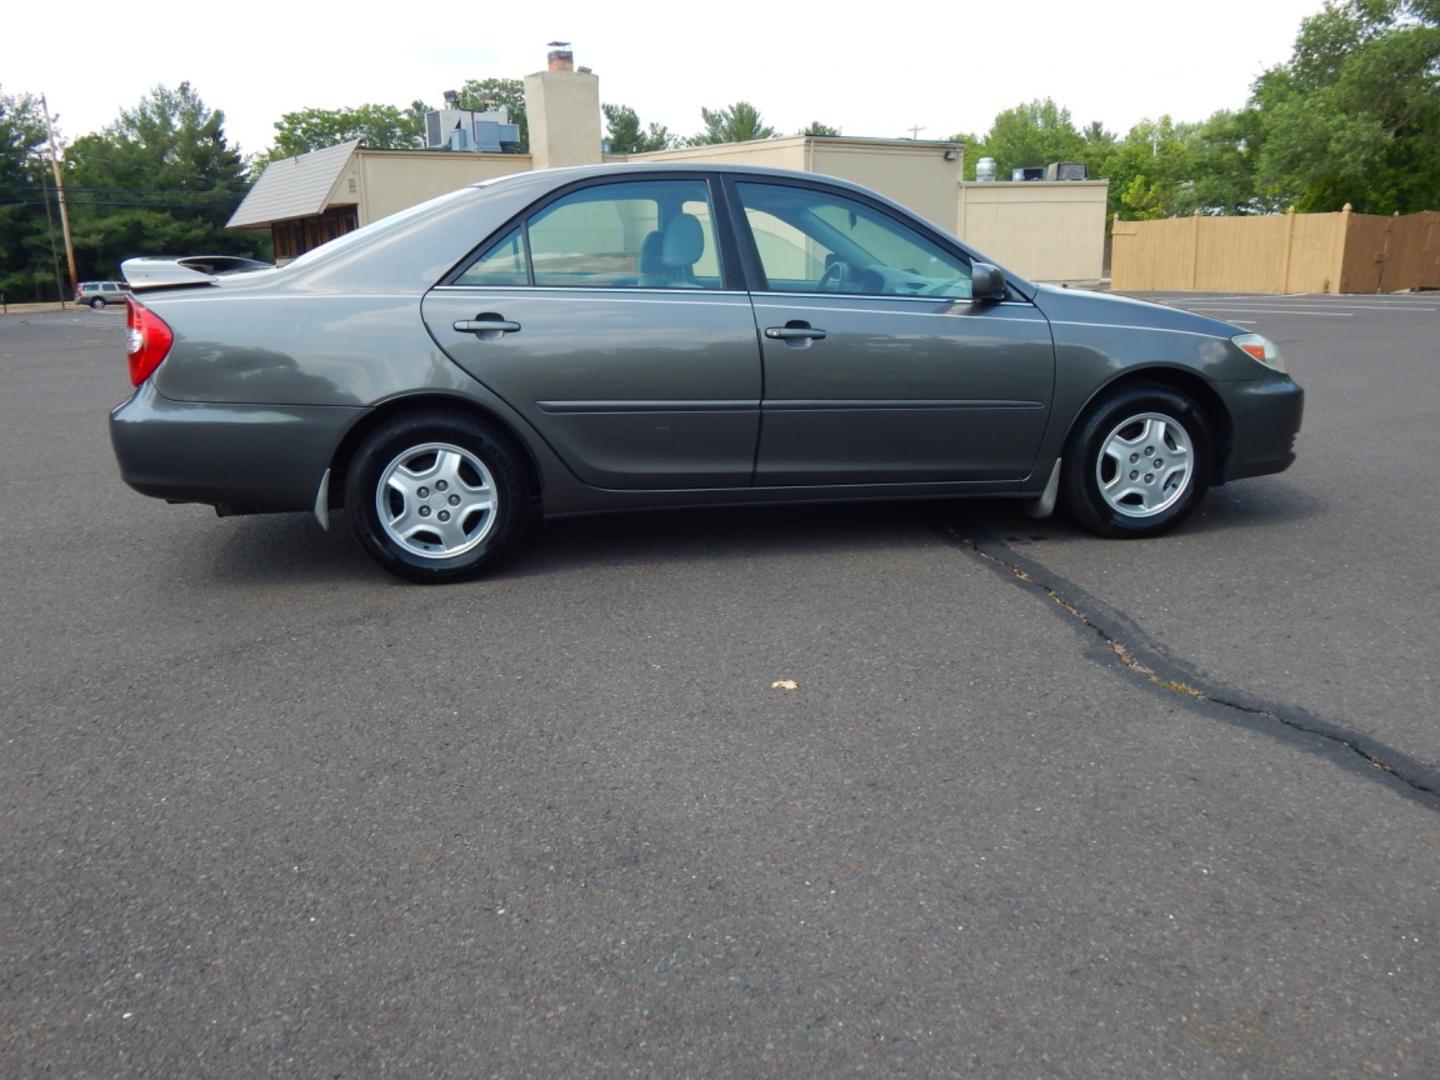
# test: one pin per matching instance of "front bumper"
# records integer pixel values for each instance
(248, 457)
(1265, 415)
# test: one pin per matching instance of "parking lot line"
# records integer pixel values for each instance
(1313, 305)
(1407, 301)
(1276, 311)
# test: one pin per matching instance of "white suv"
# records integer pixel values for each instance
(99, 293)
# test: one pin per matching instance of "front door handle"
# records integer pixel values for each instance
(487, 325)
(796, 331)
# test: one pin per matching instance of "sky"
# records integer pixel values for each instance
(878, 69)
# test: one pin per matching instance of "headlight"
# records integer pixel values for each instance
(1262, 349)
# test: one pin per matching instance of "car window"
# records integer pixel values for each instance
(110, 287)
(657, 234)
(819, 241)
(503, 264)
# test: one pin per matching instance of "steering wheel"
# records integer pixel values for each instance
(839, 271)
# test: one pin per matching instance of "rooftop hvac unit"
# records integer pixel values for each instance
(1028, 172)
(466, 130)
(1066, 170)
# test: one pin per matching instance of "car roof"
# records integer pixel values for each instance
(566, 174)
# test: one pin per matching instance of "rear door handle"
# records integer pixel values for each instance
(794, 331)
(488, 324)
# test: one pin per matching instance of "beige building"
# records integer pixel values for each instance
(1045, 231)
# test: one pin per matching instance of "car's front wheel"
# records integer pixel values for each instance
(436, 496)
(1138, 464)
(97, 302)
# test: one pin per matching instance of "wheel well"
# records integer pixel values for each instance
(1193, 386)
(340, 460)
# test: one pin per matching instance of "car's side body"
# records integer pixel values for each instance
(645, 397)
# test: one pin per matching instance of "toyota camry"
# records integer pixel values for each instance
(627, 336)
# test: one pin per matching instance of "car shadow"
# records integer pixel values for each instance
(286, 549)
(1247, 505)
(282, 549)
(668, 536)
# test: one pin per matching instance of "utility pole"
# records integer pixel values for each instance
(60, 195)
(915, 130)
(50, 235)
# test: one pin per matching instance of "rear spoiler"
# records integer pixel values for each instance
(143, 274)
(169, 272)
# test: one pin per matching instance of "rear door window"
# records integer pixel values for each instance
(502, 264)
(651, 234)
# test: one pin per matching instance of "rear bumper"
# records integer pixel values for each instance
(248, 457)
(1266, 416)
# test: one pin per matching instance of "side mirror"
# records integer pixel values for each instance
(987, 282)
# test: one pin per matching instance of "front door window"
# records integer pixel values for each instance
(820, 241)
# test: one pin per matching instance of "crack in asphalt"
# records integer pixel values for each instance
(1367, 756)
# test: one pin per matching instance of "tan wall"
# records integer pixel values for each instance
(765, 153)
(563, 111)
(1051, 231)
(391, 180)
(916, 175)
(1278, 253)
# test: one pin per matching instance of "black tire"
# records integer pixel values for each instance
(97, 302)
(408, 433)
(1082, 474)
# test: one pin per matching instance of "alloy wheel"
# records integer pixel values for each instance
(436, 500)
(1145, 465)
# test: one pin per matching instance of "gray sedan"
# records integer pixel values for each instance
(616, 337)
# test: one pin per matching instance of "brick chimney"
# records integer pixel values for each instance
(561, 60)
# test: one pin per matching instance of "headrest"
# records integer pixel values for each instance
(650, 254)
(683, 241)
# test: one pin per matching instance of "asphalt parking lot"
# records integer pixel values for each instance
(1039, 804)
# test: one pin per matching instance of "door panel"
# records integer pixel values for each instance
(879, 365)
(632, 388)
(901, 390)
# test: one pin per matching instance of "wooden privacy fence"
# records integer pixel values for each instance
(1280, 253)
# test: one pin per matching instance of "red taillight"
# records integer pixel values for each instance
(150, 340)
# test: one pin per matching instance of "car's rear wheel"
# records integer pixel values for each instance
(1138, 464)
(436, 496)
(97, 302)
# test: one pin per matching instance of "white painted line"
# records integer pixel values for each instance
(1315, 305)
(1339, 299)
(1280, 311)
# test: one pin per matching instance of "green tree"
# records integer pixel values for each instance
(1224, 151)
(161, 180)
(1099, 147)
(1354, 115)
(509, 94)
(1150, 169)
(383, 127)
(625, 135)
(739, 122)
(816, 128)
(26, 261)
(1035, 133)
